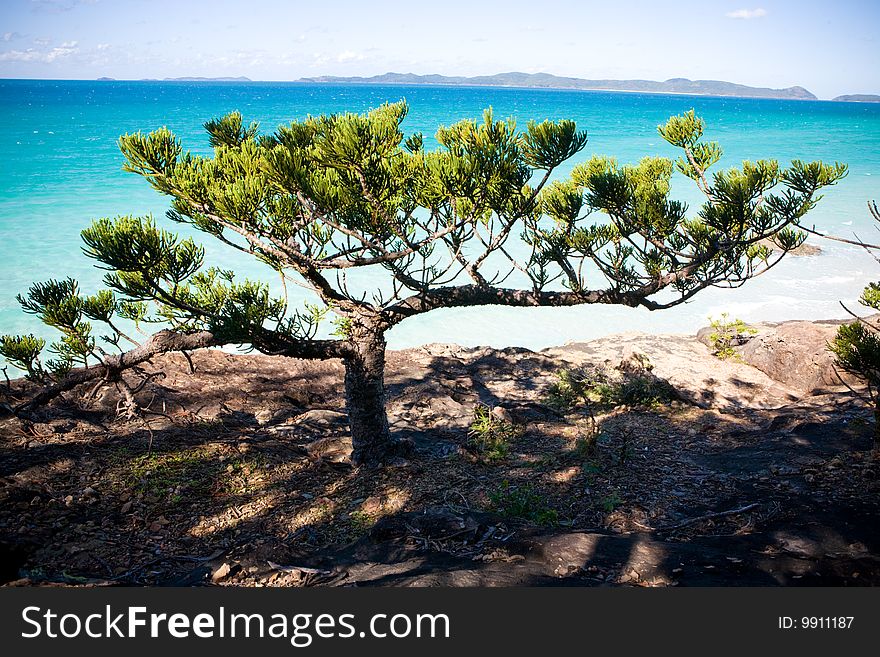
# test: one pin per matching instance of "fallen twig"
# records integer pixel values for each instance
(298, 569)
(180, 557)
(709, 516)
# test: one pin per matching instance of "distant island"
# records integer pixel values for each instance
(858, 98)
(240, 78)
(548, 81)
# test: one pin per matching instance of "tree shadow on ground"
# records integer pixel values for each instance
(230, 488)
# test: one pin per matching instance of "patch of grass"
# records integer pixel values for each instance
(611, 502)
(585, 446)
(490, 436)
(360, 522)
(522, 502)
(242, 475)
(598, 387)
(187, 474)
(727, 334)
(169, 473)
(204, 424)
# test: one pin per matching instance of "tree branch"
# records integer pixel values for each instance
(167, 341)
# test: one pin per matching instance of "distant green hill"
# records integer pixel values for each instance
(197, 79)
(186, 79)
(859, 98)
(548, 81)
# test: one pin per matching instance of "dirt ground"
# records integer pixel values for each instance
(238, 476)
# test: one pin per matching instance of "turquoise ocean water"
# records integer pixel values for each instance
(61, 168)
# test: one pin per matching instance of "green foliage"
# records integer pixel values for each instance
(871, 296)
(101, 306)
(575, 386)
(229, 130)
(172, 475)
(856, 348)
(490, 436)
(142, 256)
(610, 502)
(57, 304)
(548, 144)
(586, 444)
(643, 390)
(23, 352)
(360, 522)
(605, 389)
(522, 502)
(153, 156)
(727, 334)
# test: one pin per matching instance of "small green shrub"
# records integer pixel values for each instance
(360, 522)
(585, 446)
(605, 389)
(644, 390)
(611, 502)
(490, 436)
(578, 385)
(727, 334)
(522, 502)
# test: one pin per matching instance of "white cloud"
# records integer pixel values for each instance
(42, 41)
(349, 56)
(746, 14)
(66, 49)
(9, 36)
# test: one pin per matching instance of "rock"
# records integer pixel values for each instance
(431, 523)
(319, 419)
(126, 507)
(264, 416)
(90, 493)
(697, 376)
(158, 524)
(62, 426)
(634, 362)
(795, 354)
(804, 249)
(373, 505)
(211, 412)
(705, 333)
(335, 449)
(503, 414)
(446, 412)
(221, 573)
(286, 414)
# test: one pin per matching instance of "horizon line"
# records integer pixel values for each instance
(350, 80)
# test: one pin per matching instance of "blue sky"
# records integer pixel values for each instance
(828, 47)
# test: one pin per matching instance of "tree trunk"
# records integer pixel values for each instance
(875, 452)
(371, 438)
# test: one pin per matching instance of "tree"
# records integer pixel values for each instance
(322, 200)
(856, 346)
